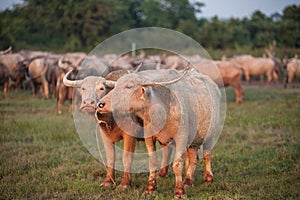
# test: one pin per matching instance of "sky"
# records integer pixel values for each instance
(224, 9)
(242, 8)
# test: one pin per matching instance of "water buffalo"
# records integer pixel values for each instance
(4, 78)
(177, 62)
(228, 74)
(253, 66)
(92, 89)
(293, 69)
(67, 62)
(183, 111)
(114, 60)
(11, 61)
(173, 62)
(224, 73)
(42, 70)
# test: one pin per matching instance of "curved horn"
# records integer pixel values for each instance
(6, 51)
(138, 67)
(70, 83)
(110, 84)
(168, 82)
(61, 64)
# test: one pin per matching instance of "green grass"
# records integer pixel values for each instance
(257, 156)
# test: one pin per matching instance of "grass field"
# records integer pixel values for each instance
(257, 156)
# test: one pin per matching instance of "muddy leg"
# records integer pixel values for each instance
(208, 175)
(151, 187)
(110, 156)
(190, 171)
(129, 146)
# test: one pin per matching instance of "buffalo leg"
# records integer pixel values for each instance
(166, 155)
(129, 146)
(151, 187)
(45, 87)
(207, 146)
(269, 78)
(62, 95)
(110, 156)
(181, 143)
(247, 77)
(5, 89)
(275, 77)
(177, 168)
(208, 175)
(239, 94)
(290, 77)
(191, 153)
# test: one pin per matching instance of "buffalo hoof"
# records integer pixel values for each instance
(151, 188)
(124, 184)
(106, 183)
(208, 178)
(179, 193)
(239, 101)
(123, 187)
(162, 173)
(187, 182)
(149, 192)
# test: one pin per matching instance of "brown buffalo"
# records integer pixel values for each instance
(67, 62)
(224, 73)
(183, 111)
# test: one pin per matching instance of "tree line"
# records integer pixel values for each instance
(79, 25)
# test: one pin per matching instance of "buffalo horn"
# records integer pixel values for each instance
(168, 82)
(61, 64)
(138, 67)
(110, 84)
(69, 83)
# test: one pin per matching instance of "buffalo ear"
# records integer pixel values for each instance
(144, 93)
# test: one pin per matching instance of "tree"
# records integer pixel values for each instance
(289, 31)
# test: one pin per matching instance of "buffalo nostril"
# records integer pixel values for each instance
(100, 105)
(92, 102)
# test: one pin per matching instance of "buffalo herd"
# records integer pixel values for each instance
(141, 97)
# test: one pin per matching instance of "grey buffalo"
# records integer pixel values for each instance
(184, 110)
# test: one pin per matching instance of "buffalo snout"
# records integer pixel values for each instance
(104, 104)
(102, 107)
(89, 102)
(88, 105)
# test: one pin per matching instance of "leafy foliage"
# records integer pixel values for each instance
(77, 25)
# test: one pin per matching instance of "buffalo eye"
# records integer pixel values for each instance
(83, 89)
(101, 88)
